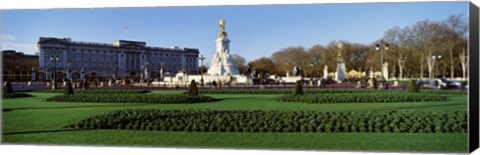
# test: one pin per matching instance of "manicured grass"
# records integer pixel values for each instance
(404, 142)
(32, 120)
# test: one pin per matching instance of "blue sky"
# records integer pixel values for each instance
(254, 31)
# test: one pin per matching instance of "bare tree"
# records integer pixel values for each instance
(455, 30)
(463, 60)
(263, 66)
(286, 59)
(316, 55)
(399, 39)
(240, 63)
(423, 39)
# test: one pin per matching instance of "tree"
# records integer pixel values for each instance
(68, 90)
(192, 89)
(288, 58)
(263, 66)
(315, 53)
(240, 63)
(424, 37)
(455, 30)
(463, 60)
(298, 88)
(399, 41)
(412, 86)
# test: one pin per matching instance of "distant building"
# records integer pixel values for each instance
(122, 59)
(18, 66)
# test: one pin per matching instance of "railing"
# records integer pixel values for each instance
(27, 86)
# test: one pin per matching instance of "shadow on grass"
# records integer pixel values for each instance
(43, 131)
(427, 106)
(69, 107)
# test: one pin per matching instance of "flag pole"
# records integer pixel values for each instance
(126, 31)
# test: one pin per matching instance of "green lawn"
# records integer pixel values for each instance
(34, 121)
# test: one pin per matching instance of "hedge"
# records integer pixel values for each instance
(445, 92)
(15, 95)
(99, 91)
(412, 86)
(298, 90)
(363, 98)
(131, 98)
(278, 121)
(289, 91)
(326, 91)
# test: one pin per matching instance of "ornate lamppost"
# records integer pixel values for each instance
(54, 58)
(311, 74)
(201, 58)
(435, 57)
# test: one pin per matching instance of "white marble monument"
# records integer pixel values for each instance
(325, 72)
(222, 62)
(222, 70)
(341, 71)
(385, 71)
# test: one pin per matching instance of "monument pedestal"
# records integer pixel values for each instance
(341, 71)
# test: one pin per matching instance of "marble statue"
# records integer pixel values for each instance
(115, 70)
(385, 71)
(82, 74)
(162, 65)
(47, 74)
(341, 70)
(145, 70)
(33, 74)
(325, 72)
(296, 71)
(68, 71)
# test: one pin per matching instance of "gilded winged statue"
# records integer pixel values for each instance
(221, 24)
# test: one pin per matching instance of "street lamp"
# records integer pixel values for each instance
(201, 58)
(435, 57)
(381, 49)
(311, 74)
(54, 58)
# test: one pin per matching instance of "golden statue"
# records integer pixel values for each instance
(221, 23)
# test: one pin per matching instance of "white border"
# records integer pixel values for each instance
(48, 4)
(82, 150)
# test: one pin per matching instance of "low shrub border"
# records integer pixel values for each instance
(445, 92)
(286, 91)
(278, 121)
(132, 98)
(363, 98)
(99, 91)
(15, 95)
(327, 91)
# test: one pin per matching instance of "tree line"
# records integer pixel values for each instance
(413, 52)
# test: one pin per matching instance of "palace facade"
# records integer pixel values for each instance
(75, 60)
(18, 66)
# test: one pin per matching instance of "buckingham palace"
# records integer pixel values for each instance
(76, 60)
